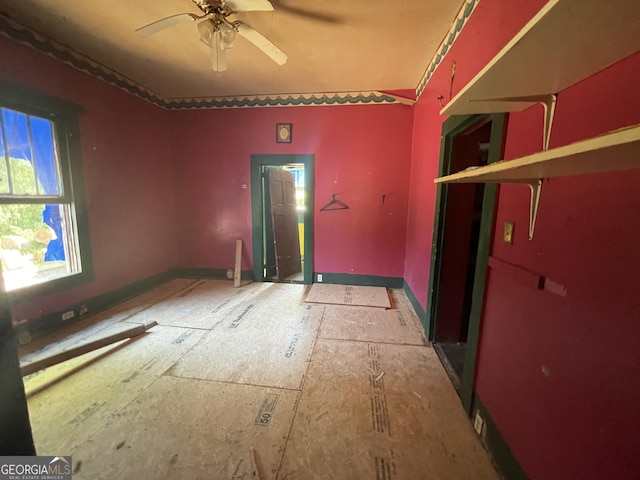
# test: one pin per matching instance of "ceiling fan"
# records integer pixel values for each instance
(217, 32)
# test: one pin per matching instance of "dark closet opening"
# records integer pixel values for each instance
(462, 220)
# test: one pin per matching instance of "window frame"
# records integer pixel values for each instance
(65, 117)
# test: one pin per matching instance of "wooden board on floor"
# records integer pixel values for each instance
(125, 332)
(66, 414)
(371, 325)
(186, 428)
(79, 331)
(128, 308)
(203, 306)
(348, 295)
(381, 411)
(237, 272)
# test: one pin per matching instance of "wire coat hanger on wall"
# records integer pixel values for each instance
(335, 204)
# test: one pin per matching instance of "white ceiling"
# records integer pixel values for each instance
(333, 45)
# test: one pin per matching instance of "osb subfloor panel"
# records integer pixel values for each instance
(380, 411)
(266, 341)
(190, 429)
(254, 383)
(66, 415)
(348, 295)
(371, 325)
(203, 305)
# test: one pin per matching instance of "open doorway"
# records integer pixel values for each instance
(462, 238)
(459, 250)
(282, 213)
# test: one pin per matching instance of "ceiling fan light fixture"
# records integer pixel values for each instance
(218, 33)
(228, 34)
(218, 54)
(209, 28)
(205, 29)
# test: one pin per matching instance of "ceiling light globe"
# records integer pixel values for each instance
(228, 34)
(205, 29)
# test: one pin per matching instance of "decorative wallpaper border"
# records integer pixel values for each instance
(457, 26)
(25, 36)
(310, 99)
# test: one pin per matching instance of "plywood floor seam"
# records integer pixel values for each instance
(169, 374)
(233, 382)
(284, 450)
(369, 341)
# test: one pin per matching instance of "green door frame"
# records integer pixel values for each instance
(257, 206)
(450, 128)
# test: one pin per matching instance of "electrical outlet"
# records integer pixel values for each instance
(68, 315)
(24, 338)
(478, 424)
(319, 278)
(83, 310)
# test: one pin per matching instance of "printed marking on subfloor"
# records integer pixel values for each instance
(265, 414)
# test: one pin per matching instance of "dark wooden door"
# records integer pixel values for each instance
(282, 193)
(269, 241)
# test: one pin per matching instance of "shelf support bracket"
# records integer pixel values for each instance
(536, 189)
(549, 104)
(535, 185)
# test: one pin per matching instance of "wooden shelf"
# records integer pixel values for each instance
(614, 151)
(567, 41)
(617, 150)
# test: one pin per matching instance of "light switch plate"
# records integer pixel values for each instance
(509, 228)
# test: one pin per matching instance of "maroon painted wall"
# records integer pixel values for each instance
(565, 363)
(127, 175)
(557, 374)
(492, 24)
(361, 152)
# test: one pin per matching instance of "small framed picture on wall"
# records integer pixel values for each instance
(284, 132)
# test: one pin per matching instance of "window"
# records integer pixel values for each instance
(43, 241)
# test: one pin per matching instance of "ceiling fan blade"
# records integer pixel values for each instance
(260, 41)
(250, 5)
(167, 22)
(311, 15)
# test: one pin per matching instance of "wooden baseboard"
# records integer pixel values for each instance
(359, 280)
(496, 445)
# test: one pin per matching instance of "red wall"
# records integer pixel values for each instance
(492, 24)
(127, 175)
(565, 363)
(361, 152)
(557, 374)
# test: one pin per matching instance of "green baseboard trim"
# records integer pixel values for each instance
(53, 321)
(417, 308)
(209, 273)
(359, 280)
(496, 445)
